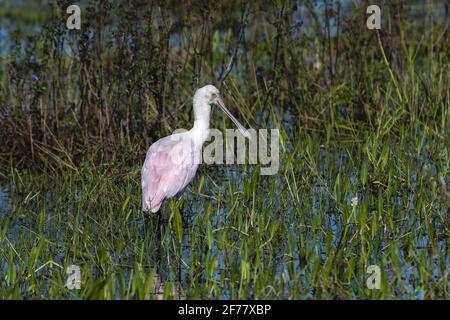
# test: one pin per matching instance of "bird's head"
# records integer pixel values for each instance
(210, 95)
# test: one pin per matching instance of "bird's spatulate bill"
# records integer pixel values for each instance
(236, 122)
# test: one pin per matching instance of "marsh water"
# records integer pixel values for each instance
(347, 195)
(177, 275)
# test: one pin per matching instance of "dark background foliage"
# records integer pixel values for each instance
(127, 77)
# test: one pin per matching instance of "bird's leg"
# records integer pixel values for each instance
(144, 224)
(159, 249)
(180, 205)
(165, 215)
(176, 205)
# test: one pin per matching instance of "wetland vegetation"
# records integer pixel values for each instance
(363, 180)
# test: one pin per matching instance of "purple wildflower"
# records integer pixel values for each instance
(298, 23)
(259, 72)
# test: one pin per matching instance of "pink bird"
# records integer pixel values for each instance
(171, 162)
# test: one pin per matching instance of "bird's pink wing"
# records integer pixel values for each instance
(167, 169)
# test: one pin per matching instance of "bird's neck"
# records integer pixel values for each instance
(202, 112)
(200, 131)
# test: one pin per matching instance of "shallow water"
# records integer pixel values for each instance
(319, 201)
(68, 218)
(5, 201)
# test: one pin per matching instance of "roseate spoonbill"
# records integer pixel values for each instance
(172, 161)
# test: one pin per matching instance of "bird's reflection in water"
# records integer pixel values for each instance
(176, 291)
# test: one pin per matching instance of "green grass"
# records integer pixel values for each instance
(238, 234)
(376, 130)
